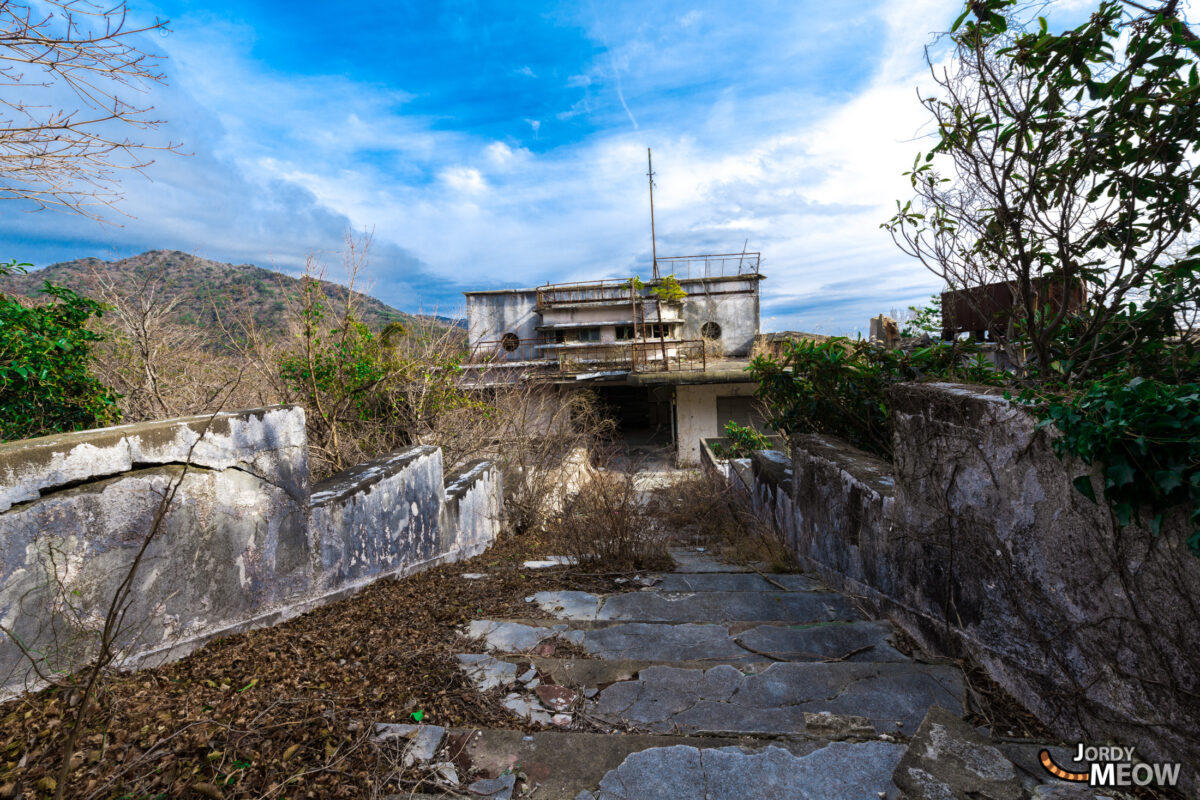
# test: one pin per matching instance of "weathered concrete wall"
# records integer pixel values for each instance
(473, 511)
(241, 544)
(976, 542)
(732, 303)
(490, 315)
(378, 518)
(696, 415)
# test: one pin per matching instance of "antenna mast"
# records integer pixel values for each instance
(653, 241)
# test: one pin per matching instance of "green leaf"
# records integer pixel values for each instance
(418, 715)
(1083, 484)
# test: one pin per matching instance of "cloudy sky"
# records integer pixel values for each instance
(493, 145)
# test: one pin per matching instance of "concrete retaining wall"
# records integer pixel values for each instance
(241, 543)
(976, 543)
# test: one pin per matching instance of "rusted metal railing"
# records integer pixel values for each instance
(641, 355)
(720, 265)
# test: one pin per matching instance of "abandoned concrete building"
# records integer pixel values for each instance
(667, 359)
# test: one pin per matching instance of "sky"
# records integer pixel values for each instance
(495, 145)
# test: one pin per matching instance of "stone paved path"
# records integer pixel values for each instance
(709, 683)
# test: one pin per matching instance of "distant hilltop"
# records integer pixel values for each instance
(207, 289)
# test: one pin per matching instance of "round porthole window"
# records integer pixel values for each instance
(710, 330)
(509, 342)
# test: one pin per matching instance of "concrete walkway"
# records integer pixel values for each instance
(715, 683)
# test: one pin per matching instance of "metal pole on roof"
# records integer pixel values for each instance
(653, 241)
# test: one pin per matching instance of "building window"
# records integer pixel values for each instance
(624, 333)
(710, 330)
(588, 334)
(510, 342)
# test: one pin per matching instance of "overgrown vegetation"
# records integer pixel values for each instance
(840, 387)
(607, 524)
(46, 384)
(741, 441)
(666, 289)
(1145, 434)
(1065, 166)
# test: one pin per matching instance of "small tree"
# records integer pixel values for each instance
(45, 354)
(70, 158)
(1067, 163)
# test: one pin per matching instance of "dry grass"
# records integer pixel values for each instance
(608, 525)
(703, 508)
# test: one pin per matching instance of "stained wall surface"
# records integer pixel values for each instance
(977, 543)
(218, 515)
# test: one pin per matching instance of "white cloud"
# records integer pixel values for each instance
(464, 180)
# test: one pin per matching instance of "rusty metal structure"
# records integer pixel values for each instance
(987, 312)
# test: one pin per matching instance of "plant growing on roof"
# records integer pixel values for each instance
(668, 290)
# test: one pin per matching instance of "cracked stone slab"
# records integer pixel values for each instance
(421, 740)
(804, 643)
(487, 672)
(727, 607)
(714, 643)
(568, 605)
(948, 758)
(688, 559)
(496, 788)
(775, 700)
(513, 637)
(565, 762)
(682, 772)
(734, 582)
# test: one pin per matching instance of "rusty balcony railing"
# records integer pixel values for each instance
(641, 355)
(585, 292)
(721, 265)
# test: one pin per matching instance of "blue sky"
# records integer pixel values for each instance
(503, 144)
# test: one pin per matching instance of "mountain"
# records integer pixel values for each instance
(208, 289)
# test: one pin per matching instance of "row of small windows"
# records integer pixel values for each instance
(624, 333)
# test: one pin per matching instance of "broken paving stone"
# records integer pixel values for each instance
(590, 692)
(513, 637)
(496, 788)
(472, 576)
(423, 740)
(556, 698)
(487, 672)
(561, 720)
(569, 604)
(550, 561)
(524, 707)
(948, 758)
(681, 772)
(527, 676)
(837, 726)
(447, 772)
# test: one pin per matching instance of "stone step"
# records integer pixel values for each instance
(695, 559)
(566, 764)
(707, 606)
(687, 772)
(893, 696)
(863, 641)
(734, 582)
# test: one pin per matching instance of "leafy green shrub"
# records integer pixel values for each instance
(668, 290)
(839, 386)
(1146, 436)
(45, 383)
(743, 440)
(927, 319)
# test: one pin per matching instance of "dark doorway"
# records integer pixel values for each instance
(643, 415)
